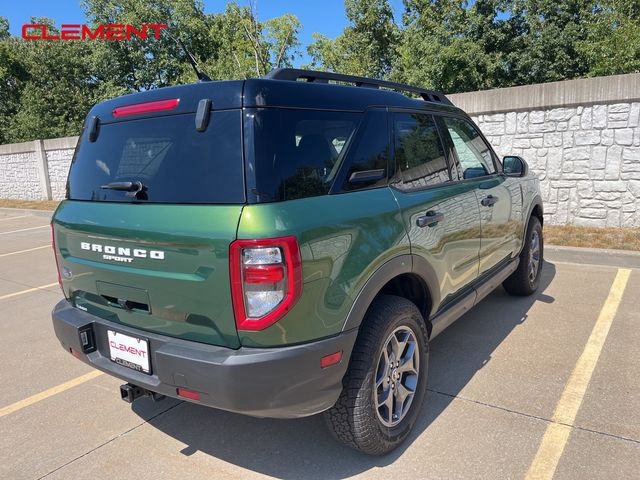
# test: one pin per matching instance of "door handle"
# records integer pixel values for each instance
(429, 219)
(489, 201)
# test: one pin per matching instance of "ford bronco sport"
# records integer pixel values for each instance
(288, 245)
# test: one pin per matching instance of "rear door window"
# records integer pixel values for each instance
(174, 162)
(419, 154)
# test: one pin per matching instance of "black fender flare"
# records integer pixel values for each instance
(536, 202)
(406, 263)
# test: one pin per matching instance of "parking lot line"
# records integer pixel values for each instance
(19, 405)
(29, 290)
(13, 218)
(24, 229)
(24, 251)
(555, 438)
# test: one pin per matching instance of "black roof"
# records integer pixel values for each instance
(268, 92)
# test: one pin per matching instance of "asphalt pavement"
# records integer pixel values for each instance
(538, 387)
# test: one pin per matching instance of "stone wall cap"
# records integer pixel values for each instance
(542, 96)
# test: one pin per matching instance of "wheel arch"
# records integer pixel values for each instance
(535, 209)
(407, 276)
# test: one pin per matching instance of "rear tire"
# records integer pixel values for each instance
(525, 280)
(379, 404)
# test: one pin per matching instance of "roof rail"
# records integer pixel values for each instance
(293, 74)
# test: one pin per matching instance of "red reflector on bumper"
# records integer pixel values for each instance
(74, 353)
(190, 394)
(332, 359)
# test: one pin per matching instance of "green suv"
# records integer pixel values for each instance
(286, 246)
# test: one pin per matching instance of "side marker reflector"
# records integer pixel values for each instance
(332, 359)
(190, 394)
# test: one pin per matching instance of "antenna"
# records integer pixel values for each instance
(203, 77)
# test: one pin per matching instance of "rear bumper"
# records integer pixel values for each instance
(282, 382)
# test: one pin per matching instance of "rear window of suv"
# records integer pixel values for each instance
(174, 162)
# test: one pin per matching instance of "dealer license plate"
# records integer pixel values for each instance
(129, 351)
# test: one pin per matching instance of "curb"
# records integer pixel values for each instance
(593, 256)
(598, 251)
(28, 211)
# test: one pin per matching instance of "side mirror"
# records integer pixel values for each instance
(514, 166)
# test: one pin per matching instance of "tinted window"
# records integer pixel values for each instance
(174, 162)
(368, 154)
(295, 153)
(472, 151)
(419, 155)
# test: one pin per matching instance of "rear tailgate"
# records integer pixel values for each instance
(170, 263)
(155, 257)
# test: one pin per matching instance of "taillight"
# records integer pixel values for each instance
(266, 280)
(55, 255)
(146, 107)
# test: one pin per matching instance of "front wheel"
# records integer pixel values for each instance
(386, 382)
(526, 278)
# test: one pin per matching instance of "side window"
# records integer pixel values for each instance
(419, 155)
(294, 153)
(367, 158)
(473, 152)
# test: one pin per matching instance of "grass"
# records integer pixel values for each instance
(592, 237)
(561, 235)
(30, 204)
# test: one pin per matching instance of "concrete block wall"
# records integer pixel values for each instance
(58, 162)
(36, 170)
(19, 176)
(581, 137)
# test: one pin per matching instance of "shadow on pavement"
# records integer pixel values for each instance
(304, 448)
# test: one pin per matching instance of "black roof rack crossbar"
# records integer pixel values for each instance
(294, 74)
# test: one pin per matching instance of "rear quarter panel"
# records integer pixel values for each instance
(343, 239)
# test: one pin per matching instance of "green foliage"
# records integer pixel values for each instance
(248, 47)
(550, 31)
(52, 88)
(612, 43)
(13, 76)
(453, 46)
(450, 47)
(367, 45)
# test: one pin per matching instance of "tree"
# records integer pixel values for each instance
(54, 85)
(367, 45)
(12, 79)
(550, 32)
(137, 64)
(612, 43)
(452, 47)
(249, 47)
(232, 44)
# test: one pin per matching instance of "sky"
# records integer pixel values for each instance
(323, 16)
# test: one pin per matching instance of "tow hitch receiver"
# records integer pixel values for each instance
(129, 392)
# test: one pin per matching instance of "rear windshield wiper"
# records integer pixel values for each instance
(133, 189)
